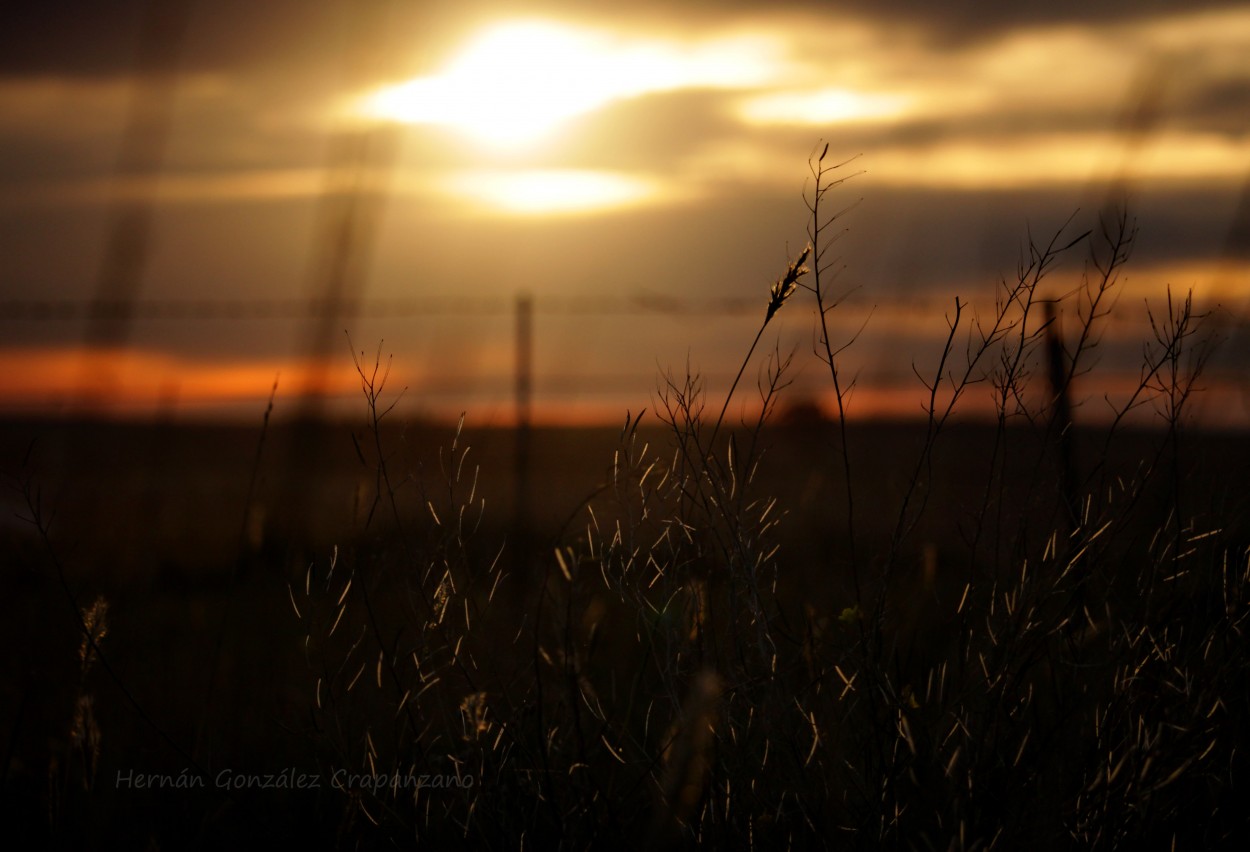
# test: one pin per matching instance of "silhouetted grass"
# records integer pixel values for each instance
(1059, 663)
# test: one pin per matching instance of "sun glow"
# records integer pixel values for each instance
(549, 191)
(821, 107)
(516, 83)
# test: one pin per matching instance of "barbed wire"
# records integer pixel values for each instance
(642, 304)
(51, 310)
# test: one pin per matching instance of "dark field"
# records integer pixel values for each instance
(562, 689)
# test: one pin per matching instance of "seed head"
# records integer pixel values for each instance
(787, 284)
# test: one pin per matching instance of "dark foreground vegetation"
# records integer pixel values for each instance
(1015, 633)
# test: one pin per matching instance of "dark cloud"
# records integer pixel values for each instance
(70, 37)
(943, 240)
(1237, 240)
(105, 37)
(114, 37)
(654, 132)
(92, 37)
(960, 21)
(1218, 106)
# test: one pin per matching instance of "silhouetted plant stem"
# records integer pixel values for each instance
(778, 295)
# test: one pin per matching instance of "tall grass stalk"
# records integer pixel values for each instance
(1064, 673)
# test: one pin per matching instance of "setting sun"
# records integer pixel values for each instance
(516, 83)
(549, 191)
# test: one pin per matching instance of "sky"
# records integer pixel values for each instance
(198, 198)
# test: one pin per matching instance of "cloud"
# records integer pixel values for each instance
(977, 125)
(101, 37)
(110, 38)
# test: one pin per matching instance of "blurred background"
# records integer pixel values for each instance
(536, 207)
